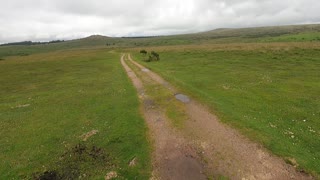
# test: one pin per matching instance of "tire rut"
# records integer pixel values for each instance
(173, 156)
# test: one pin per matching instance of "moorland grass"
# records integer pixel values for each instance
(51, 94)
(49, 100)
(269, 94)
(300, 37)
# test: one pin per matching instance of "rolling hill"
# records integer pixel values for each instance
(291, 33)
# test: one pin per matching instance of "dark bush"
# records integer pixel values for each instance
(155, 55)
(143, 52)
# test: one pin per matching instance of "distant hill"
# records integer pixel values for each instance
(95, 37)
(263, 31)
(29, 43)
(293, 33)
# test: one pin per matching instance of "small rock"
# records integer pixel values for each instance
(272, 125)
(89, 134)
(133, 162)
(21, 106)
(111, 175)
(293, 162)
(225, 87)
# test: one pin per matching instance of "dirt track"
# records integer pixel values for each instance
(205, 145)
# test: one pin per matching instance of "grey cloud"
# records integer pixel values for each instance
(67, 19)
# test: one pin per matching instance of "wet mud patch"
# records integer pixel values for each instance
(183, 98)
(77, 163)
(145, 70)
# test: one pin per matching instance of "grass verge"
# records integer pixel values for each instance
(49, 103)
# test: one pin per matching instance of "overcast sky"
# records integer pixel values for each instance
(40, 20)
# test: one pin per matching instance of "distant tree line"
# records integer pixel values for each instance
(29, 43)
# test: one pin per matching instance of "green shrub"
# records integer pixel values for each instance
(143, 52)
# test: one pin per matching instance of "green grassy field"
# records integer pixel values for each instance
(270, 93)
(48, 101)
(264, 81)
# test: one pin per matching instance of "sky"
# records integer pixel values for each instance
(44, 20)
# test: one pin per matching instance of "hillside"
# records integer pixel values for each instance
(294, 33)
(259, 32)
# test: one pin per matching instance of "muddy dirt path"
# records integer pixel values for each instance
(226, 152)
(173, 157)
